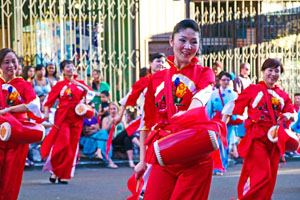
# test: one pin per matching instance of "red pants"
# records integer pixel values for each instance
(258, 177)
(64, 151)
(180, 182)
(12, 162)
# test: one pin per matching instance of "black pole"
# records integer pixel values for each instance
(187, 9)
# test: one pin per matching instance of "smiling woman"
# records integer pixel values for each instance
(18, 99)
(61, 144)
(174, 91)
(267, 105)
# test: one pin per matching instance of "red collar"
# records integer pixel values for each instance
(170, 60)
(265, 85)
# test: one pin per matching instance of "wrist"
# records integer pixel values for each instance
(6, 110)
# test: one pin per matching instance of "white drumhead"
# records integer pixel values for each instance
(5, 133)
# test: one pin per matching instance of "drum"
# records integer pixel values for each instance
(30, 133)
(292, 143)
(185, 146)
(85, 110)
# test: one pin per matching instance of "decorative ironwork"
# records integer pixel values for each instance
(95, 34)
(237, 31)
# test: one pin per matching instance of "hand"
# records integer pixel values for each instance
(283, 117)
(117, 119)
(2, 112)
(178, 114)
(139, 170)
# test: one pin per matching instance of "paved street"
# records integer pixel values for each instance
(109, 184)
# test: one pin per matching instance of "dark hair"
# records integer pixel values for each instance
(4, 52)
(54, 74)
(39, 67)
(154, 56)
(184, 24)
(105, 92)
(296, 94)
(25, 72)
(225, 74)
(272, 63)
(131, 111)
(144, 72)
(64, 63)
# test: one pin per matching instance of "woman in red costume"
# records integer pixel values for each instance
(192, 86)
(267, 105)
(61, 145)
(18, 99)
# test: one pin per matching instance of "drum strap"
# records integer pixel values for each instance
(169, 94)
(281, 132)
(269, 104)
(221, 97)
(2, 100)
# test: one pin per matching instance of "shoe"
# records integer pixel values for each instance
(131, 164)
(141, 197)
(218, 173)
(112, 166)
(52, 180)
(62, 181)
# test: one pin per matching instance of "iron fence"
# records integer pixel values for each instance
(95, 34)
(239, 31)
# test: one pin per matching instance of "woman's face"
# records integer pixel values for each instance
(224, 81)
(19, 70)
(185, 46)
(30, 72)
(69, 69)
(95, 76)
(157, 64)
(271, 75)
(41, 73)
(50, 69)
(113, 110)
(9, 65)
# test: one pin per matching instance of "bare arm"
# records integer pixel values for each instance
(46, 113)
(106, 123)
(141, 167)
(14, 109)
(118, 119)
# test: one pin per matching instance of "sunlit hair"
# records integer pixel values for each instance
(272, 63)
(184, 24)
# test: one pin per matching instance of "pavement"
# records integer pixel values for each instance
(93, 181)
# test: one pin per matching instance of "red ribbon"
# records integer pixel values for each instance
(109, 140)
(132, 187)
(133, 127)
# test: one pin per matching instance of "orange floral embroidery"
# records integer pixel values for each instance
(68, 91)
(13, 96)
(180, 90)
(275, 101)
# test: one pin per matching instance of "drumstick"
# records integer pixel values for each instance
(54, 125)
(223, 150)
(137, 185)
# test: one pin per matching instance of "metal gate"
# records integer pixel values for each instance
(250, 31)
(95, 34)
